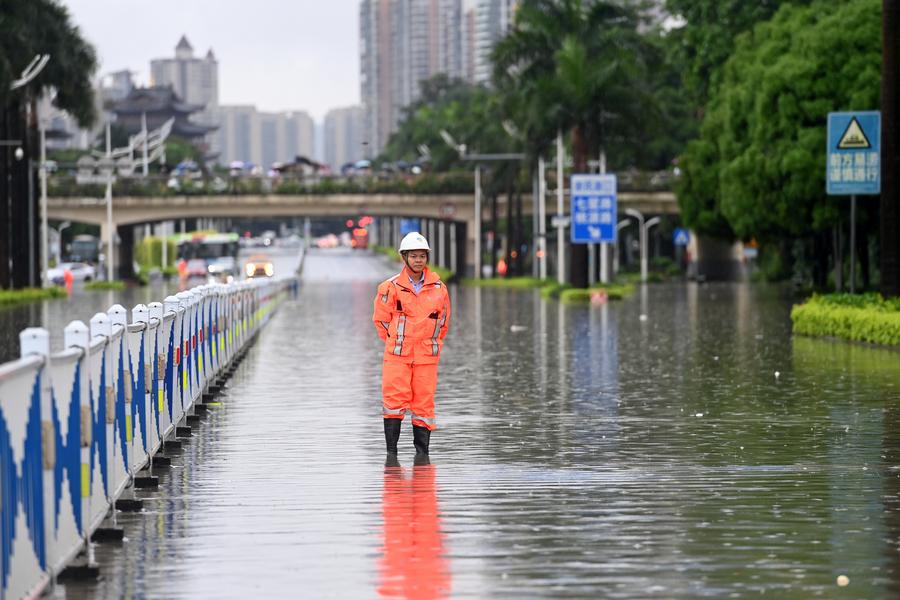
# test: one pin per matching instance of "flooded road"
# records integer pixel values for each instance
(698, 451)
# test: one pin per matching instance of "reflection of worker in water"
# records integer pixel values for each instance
(412, 564)
(412, 314)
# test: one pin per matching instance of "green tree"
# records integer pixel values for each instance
(32, 27)
(708, 35)
(469, 113)
(758, 168)
(575, 66)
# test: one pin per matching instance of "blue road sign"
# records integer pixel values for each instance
(854, 153)
(409, 225)
(593, 209)
(681, 236)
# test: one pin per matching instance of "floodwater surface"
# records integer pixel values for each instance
(678, 444)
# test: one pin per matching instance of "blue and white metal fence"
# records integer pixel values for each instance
(77, 425)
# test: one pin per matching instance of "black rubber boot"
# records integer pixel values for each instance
(421, 437)
(392, 434)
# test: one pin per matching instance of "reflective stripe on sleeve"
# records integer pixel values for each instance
(437, 331)
(401, 329)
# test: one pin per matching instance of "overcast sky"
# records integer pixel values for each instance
(276, 54)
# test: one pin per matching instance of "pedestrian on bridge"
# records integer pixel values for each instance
(412, 315)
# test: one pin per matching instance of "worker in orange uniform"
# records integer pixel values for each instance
(412, 314)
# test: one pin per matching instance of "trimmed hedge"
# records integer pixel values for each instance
(519, 283)
(861, 318)
(10, 297)
(614, 291)
(114, 285)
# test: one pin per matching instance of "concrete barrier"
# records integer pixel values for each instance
(77, 426)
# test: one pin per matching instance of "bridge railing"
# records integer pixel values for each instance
(65, 185)
(77, 425)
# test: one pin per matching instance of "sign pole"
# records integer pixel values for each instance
(853, 244)
(561, 228)
(853, 167)
(604, 246)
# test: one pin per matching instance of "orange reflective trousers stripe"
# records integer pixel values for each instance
(409, 388)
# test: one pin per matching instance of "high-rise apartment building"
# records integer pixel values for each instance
(238, 138)
(402, 43)
(493, 18)
(343, 134)
(263, 138)
(195, 81)
(284, 136)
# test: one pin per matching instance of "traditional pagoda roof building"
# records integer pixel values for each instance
(159, 104)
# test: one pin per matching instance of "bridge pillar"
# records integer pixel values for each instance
(711, 259)
(125, 259)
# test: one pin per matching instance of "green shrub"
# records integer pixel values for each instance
(553, 290)
(861, 318)
(509, 282)
(614, 291)
(10, 297)
(105, 285)
(148, 253)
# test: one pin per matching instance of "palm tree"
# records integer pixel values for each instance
(575, 66)
(32, 27)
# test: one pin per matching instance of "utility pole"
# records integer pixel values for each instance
(890, 150)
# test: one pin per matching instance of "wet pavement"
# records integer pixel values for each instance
(582, 451)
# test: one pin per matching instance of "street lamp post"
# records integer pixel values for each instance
(542, 220)
(477, 221)
(633, 212)
(45, 246)
(461, 149)
(645, 240)
(123, 160)
(106, 168)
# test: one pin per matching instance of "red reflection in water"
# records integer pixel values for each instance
(412, 564)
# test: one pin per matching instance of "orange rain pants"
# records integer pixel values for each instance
(412, 327)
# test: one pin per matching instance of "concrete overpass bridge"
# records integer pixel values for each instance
(448, 219)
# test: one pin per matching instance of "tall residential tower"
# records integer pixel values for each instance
(402, 43)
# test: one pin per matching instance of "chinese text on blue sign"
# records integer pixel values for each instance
(593, 209)
(854, 153)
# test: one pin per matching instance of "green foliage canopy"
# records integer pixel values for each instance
(707, 38)
(758, 168)
(469, 113)
(574, 65)
(31, 27)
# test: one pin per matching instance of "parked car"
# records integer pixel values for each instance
(80, 272)
(259, 265)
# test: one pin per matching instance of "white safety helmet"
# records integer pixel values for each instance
(414, 241)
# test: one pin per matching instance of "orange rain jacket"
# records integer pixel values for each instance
(412, 326)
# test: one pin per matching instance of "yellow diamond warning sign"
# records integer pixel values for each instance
(853, 137)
